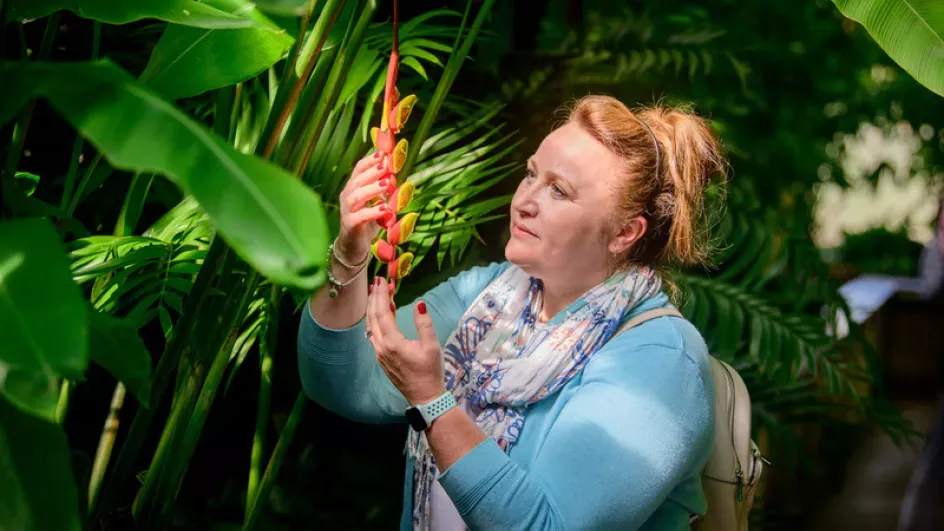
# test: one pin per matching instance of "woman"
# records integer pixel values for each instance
(556, 427)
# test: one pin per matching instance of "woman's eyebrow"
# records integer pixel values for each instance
(553, 175)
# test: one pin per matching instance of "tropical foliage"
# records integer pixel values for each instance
(188, 212)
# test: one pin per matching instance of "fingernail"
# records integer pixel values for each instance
(383, 208)
(380, 166)
(421, 306)
(370, 289)
(383, 183)
(376, 154)
(393, 307)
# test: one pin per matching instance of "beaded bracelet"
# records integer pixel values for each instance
(337, 285)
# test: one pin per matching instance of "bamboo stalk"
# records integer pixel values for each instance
(106, 443)
(275, 462)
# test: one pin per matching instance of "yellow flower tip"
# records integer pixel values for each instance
(404, 195)
(399, 155)
(407, 224)
(374, 132)
(403, 229)
(401, 113)
(404, 264)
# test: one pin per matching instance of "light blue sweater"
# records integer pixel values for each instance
(621, 446)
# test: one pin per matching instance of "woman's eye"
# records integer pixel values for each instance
(556, 190)
(529, 174)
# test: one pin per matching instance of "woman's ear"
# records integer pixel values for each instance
(628, 234)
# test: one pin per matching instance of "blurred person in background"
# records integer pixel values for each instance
(923, 505)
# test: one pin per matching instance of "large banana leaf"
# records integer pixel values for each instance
(273, 221)
(187, 12)
(39, 491)
(285, 7)
(188, 61)
(42, 316)
(910, 31)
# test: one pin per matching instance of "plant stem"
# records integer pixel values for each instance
(106, 443)
(261, 497)
(266, 350)
(79, 141)
(178, 415)
(62, 408)
(445, 83)
(178, 465)
(339, 71)
(319, 34)
(180, 337)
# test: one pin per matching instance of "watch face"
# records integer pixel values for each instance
(416, 420)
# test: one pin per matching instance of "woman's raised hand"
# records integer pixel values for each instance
(359, 214)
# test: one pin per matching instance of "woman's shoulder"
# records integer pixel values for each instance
(657, 344)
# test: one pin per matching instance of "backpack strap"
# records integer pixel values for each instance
(649, 315)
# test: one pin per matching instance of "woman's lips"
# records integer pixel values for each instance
(520, 231)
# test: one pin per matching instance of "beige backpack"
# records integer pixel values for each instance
(731, 475)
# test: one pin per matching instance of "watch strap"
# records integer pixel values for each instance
(430, 411)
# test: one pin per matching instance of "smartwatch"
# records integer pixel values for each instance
(422, 415)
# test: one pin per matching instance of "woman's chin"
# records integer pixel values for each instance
(523, 258)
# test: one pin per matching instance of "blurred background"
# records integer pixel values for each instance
(834, 197)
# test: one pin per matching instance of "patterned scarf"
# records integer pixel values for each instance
(497, 366)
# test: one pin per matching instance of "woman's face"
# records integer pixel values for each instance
(560, 210)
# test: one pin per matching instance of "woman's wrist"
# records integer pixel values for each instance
(347, 254)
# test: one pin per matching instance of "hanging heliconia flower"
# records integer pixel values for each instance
(393, 156)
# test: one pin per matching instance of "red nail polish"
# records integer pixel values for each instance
(376, 154)
(380, 166)
(370, 289)
(393, 307)
(383, 208)
(383, 183)
(421, 306)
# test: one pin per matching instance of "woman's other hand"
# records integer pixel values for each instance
(359, 216)
(415, 367)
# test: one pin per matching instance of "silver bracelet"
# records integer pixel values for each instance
(342, 262)
(337, 285)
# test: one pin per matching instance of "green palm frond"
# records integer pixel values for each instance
(142, 277)
(450, 179)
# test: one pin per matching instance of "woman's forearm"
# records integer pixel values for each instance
(349, 307)
(451, 436)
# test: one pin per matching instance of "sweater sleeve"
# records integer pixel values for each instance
(639, 423)
(339, 369)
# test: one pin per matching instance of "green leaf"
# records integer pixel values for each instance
(284, 7)
(188, 61)
(39, 490)
(267, 216)
(187, 12)
(116, 346)
(413, 63)
(910, 31)
(45, 334)
(27, 182)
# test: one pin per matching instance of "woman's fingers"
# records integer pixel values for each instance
(365, 163)
(372, 173)
(361, 195)
(377, 213)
